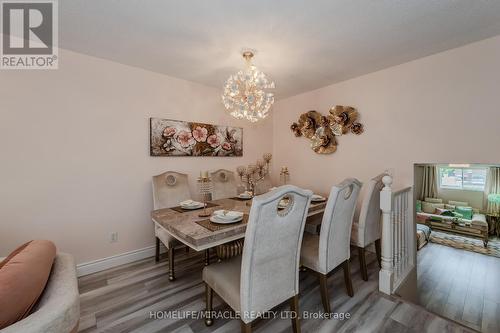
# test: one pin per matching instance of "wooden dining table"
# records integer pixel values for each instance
(199, 234)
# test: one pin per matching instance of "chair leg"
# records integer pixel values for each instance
(324, 293)
(209, 299)
(294, 307)
(171, 266)
(347, 278)
(207, 257)
(157, 252)
(362, 263)
(246, 327)
(378, 250)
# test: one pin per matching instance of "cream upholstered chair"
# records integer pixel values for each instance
(169, 188)
(267, 273)
(366, 228)
(224, 184)
(324, 252)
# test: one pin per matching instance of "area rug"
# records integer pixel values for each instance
(466, 243)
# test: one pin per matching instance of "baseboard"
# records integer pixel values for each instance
(116, 260)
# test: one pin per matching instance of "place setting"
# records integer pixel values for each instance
(189, 205)
(222, 218)
(247, 195)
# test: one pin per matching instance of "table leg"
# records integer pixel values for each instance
(207, 257)
(171, 272)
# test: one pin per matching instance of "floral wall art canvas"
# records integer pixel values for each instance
(182, 138)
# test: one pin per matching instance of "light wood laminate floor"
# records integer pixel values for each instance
(461, 285)
(120, 300)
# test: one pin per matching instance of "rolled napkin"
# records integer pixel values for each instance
(246, 194)
(228, 215)
(317, 197)
(190, 203)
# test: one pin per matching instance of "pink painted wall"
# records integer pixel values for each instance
(75, 162)
(443, 108)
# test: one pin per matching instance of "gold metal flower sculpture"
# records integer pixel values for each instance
(321, 130)
(309, 122)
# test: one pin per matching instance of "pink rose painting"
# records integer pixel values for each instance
(182, 138)
(213, 140)
(185, 138)
(200, 134)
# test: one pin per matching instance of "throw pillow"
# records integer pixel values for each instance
(428, 208)
(465, 211)
(23, 276)
(418, 206)
(434, 200)
(458, 203)
(443, 212)
(450, 207)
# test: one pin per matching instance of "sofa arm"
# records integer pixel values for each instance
(479, 220)
(58, 309)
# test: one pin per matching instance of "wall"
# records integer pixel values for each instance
(438, 109)
(75, 162)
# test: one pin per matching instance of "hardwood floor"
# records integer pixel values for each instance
(461, 285)
(121, 299)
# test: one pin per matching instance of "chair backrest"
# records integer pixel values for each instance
(271, 254)
(223, 184)
(335, 234)
(170, 188)
(370, 214)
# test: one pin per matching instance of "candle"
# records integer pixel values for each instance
(205, 174)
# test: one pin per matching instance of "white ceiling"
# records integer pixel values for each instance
(302, 45)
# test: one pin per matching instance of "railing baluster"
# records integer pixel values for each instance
(386, 272)
(398, 250)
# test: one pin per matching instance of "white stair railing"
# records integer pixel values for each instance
(398, 236)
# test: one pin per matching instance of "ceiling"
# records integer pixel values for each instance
(301, 45)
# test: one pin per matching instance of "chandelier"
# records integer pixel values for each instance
(244, 94)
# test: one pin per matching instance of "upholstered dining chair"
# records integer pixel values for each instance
(169, 188)
(267, 273)
(325, 252)
(224, 184)
(366, 228)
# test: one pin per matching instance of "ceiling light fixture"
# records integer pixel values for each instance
(245, 95)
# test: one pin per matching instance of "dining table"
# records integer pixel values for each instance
(200, 234)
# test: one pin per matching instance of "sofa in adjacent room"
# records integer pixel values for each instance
(455, 217)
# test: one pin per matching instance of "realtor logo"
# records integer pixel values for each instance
(29, 35)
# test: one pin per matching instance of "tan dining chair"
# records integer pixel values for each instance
(267, 273)
(169, 188)
(223, 184)
(366, 227)
(325, 252)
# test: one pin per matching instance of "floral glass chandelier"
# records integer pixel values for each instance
(245, 94)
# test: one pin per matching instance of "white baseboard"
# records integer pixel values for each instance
(116, 260)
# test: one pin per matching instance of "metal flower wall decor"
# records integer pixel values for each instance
(322, 130)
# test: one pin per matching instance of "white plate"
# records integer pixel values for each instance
(215, 219)
(317, 198)
(198, 205)
(244, 196)
(230, 215)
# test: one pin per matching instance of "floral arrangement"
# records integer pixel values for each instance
(181, 138)
(322, 130)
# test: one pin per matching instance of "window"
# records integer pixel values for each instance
(472, 179)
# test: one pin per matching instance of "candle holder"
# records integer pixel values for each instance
(205, 190)
(254, 173)
(284, 175)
